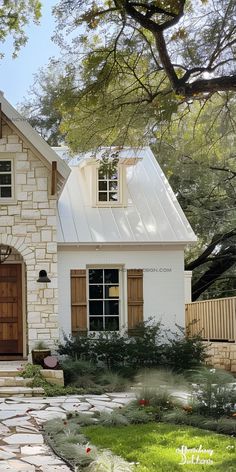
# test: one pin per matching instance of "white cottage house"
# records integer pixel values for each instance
(111, 243)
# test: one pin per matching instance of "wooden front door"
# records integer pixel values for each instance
(11, 333)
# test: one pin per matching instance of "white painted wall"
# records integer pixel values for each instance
(163, 280)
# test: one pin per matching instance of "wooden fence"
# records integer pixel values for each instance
(214, 320)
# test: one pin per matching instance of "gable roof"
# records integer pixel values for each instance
(25, 129)
(152, 215)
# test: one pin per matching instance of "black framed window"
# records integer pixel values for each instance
(5, 179)
(104, 299)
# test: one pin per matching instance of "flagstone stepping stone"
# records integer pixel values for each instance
(101, 408)
(21, 429)
(75, 406)
(20, 406)
(108, 404)
(121, 395)
(4, 429)
(16, 466)
(10, 449)
(34, 450)
(27, 425)
(4, 415)
(58, 398)
(48, 415)
(42, 460)
(75, 399)
(6, 455)
(54, 408)
(55, 468)
(35, 400)
(24, 439)
(17, 421)
(91, 398)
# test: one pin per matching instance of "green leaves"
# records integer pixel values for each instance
(14, 16)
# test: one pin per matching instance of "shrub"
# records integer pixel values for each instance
(161, 387)
(183, 352)
(113, 381)
(80, 419)
(149, 347)
(77, 453)
(74, 369)
(214, 391)
(77, 347)
(138, 415)
(145, 349)
(107, 462)
(223, 425)
(115, 418)
(111, 349)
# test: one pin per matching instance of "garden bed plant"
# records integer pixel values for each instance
(138, 438)
(81, 378)
(150, 346)
(157, 409)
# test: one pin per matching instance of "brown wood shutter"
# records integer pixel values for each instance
(78, 301)
(135, 298)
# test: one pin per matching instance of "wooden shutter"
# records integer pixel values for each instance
(135, 298)
(78, 301)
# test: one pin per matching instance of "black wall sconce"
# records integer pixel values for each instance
(43, 277)
(5, 252)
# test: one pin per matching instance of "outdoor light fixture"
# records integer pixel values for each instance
(43, 277)
(5, 252)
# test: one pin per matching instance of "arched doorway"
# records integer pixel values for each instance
(11, 306)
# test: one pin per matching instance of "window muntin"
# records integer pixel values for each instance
(6, 177)
(108, 185)
(104, 299)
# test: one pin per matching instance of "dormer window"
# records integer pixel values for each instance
(108, 184)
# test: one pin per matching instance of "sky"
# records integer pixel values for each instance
(16, 75)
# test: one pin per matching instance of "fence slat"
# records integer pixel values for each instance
(213, 320)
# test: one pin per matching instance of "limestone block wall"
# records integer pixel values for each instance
(28, 224)
(222, 355)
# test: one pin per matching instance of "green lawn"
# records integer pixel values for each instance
(154, 445)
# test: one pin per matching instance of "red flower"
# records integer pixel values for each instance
(143, 402)
(65, 423)
(88, 449)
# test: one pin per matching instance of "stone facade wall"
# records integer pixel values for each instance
(222, 355)
(29, 226)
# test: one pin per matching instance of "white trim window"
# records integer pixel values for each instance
(104, 299)
(108, 190)
(6, 179)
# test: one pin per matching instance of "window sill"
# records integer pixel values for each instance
(109, 205)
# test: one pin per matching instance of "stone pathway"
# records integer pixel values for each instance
(22, 446)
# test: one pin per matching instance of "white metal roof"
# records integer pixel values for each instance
(153, 214)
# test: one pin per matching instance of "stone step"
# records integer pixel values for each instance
(9, 372)
(6, 392)
(10, 381)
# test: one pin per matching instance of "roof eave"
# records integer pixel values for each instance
(22, 125)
